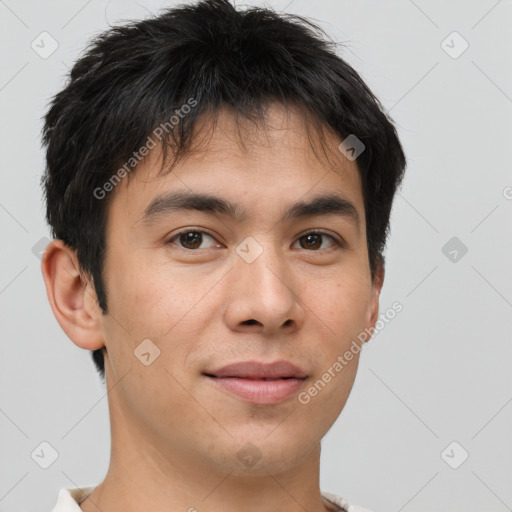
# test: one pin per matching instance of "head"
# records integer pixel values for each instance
(250, 107)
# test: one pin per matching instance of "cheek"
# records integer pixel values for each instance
(327, 394)
(342, 308)
(171, 311)
(342, 304)
(149, 299)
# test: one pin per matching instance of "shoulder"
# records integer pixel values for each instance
(68, 499)
(341, 504)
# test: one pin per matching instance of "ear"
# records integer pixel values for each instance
(72, 298)
(378, 281)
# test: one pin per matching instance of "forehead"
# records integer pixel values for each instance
(284, 155)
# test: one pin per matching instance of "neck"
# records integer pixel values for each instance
(138, 483)
(143, 475)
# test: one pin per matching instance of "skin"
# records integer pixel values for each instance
(175, 434)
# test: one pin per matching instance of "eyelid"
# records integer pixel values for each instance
(319, 231)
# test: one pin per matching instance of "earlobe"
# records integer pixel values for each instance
(73, 301)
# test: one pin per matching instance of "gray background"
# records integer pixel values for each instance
(438, 373)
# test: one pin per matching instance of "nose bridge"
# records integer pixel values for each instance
(261, 288)
(263, 264)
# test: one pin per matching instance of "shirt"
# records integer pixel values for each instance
(69, 499)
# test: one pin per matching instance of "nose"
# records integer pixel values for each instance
(263, 295)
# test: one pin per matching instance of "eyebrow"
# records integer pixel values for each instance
(328, 204)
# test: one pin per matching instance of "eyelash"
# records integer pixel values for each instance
(312, 232)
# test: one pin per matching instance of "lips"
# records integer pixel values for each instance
(255, 370)
(259, 383)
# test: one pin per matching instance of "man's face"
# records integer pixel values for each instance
(255, 288)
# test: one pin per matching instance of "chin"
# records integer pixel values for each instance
(261, 456)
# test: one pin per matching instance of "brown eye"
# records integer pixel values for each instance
(314, 240)
(190, 240)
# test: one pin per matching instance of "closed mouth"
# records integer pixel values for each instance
(251, 378)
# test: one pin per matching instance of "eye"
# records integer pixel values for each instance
(313, 240)
(190, 239)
